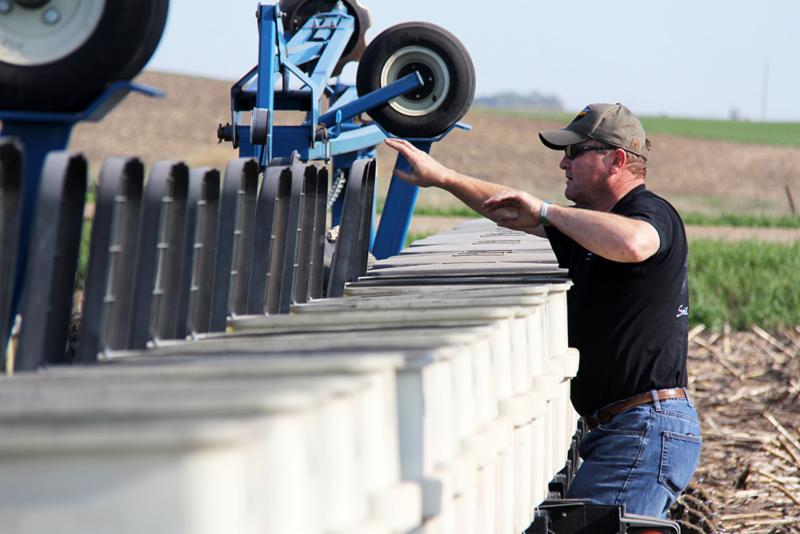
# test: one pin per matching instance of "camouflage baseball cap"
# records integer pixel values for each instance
(612, 124)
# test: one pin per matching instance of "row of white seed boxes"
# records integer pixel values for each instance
(433, 397)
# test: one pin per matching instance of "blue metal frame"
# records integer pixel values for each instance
(304, 65)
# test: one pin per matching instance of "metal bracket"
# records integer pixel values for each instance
(259, 126)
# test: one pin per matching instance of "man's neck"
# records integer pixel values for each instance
(617, 191)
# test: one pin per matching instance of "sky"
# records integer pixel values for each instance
(680, 58)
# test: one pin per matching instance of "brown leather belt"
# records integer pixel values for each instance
(606, 413)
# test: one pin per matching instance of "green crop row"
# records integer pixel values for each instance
(744, 283)
(748, 220)
(742, 220)
(741, 283)
(416, 236)
(767, 133)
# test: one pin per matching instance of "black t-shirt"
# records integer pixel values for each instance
(628, 320)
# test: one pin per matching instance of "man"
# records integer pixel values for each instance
(626, 252)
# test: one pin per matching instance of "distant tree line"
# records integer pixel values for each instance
(509, 99)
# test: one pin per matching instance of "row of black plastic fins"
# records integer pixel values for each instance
(174, 256)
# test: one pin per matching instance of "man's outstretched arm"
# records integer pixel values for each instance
(427, 172)
(608, 235)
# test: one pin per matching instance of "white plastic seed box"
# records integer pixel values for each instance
(545, 320)
(377, 415)
(425, 391)
(456, 307)
(455, 478)
(521, 411)
(523, 457)
(447, 254)
(444, 290)
(498, 317)
(443, 271)
(504, 475)
(168, 457)
(467, 510)
(563, 367)
(544, 390)
(486, 511)
(488, 446)
(397, 503)
(539, 475)
(557, 335)
(475, 383)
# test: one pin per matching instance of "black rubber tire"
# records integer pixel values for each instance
(457, 99)
(299, 11)
(126, 36)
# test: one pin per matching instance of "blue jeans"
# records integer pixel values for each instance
(643, 458)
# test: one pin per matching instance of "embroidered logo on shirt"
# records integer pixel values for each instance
(683, 311)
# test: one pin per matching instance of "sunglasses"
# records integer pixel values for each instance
(574, 151)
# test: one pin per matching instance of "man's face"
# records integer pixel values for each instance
(585, 166)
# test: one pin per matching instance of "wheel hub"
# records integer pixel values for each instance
(435, 77)
(428, 80)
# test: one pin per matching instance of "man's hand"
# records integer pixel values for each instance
(514, 209)
(425, 171)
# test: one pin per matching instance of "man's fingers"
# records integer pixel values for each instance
(403, 175)
(506, 197)
(401, 145)
(504, 213)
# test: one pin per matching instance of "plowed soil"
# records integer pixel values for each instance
(696, 175)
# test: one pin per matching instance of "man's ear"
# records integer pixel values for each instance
(619, 161)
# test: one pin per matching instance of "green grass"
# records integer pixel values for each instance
(766, 133)
(742, 220)
(744, 283)
(415, 236)
(750, 220)
(448, 211)
(434, 211)
(83, 257)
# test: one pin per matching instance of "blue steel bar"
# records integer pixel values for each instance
(306, 53)
(265, 99)
(372, 100)
(347, 96)
(359, 139)
(336, 44)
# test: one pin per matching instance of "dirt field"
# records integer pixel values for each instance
(706, 176)
(746, 388)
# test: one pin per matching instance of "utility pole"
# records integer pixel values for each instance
(765, 91)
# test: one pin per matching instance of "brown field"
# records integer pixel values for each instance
(699, 176)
